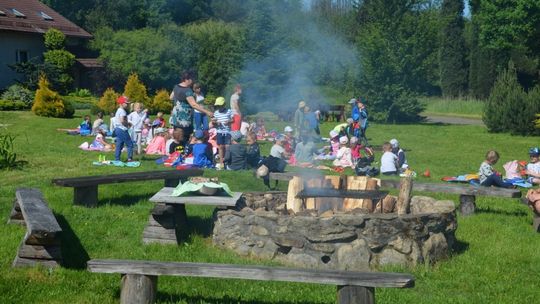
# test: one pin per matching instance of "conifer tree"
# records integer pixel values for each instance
(135, 90)
(453, 70)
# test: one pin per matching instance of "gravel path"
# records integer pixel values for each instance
(453, 120)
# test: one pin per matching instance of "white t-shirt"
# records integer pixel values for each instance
(534, 167)
(168, 145)
(199, 99)
(119, 118)
(136, 120)
(234, 103)
(277, 151)
(244, 127)
(388, 162)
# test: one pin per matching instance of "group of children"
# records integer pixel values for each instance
(489, 177)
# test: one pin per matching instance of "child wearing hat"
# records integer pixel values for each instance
(236, 154)
(222, 119)
(121, 126)
(533, 167)
(202, 151)
(343, 155)
(388, 160)
(401, 159)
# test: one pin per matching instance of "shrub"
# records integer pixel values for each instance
(161, 102)
(8, 105)
(8, 158)
(393, 103)
(19, 93)
(54, 39)
(136, 91)
(81, 93)
(49, 103)
(107, 102)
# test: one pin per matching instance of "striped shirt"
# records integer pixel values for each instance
(223, 120)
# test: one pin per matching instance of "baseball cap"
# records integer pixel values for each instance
(288, 129)
(122, 100)
(534, 151)
(394, 143)
(333, 133)
(219, 101)
(353, 100)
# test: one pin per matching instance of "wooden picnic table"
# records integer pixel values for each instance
(168, 218)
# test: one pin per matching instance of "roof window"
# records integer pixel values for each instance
(17, 13)
(45, 16)
(2, 13)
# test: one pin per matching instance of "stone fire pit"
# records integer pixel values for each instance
(261, 227)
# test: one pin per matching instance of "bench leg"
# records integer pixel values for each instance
(138, 289)
(180, 220)
(16, 216)
(86, 196)
(355, 295)
(467, 204)
(161, 226)
(536, 223)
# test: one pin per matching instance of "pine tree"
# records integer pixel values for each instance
(107, 102)
(453, 70)
(135, 90)
(49, 103)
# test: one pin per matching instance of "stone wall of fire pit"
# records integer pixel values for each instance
(261, 227)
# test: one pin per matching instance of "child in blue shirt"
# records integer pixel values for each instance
(202, 151)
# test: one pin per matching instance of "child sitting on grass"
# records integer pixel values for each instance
(401, 159)
(388, 160)
(85, 128)
(176, 143)
(159, 122)
(157, 145)
(488, 176)
(236, 154)
(253, 152)
(304, 150)
(343, 156)
(202, 151)
(533, 167)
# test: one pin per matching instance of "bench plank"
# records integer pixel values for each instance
(164, 196)
(430, 187)
(248, 272)
(125, 177)
(42, 227)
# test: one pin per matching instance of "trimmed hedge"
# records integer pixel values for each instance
(7, 105)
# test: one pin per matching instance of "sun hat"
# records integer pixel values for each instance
(353, 100)
(288, 129)
(236, 135)
(394, 143)
(534, 151)
(301, 104)
(219, 101)
(122, 100)
(333, 133)
(343, 140)
(354, 139)
(199, 134)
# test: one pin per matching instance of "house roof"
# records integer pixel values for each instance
(35, 17)
(90, 62)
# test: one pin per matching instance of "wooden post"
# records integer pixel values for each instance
(161, 227)
(86, 196)
(355, 294)
(368, 203)
(467, 204)
(355, 183)
(296, 184)
(404, 198)
(138, 289)
(312, 202)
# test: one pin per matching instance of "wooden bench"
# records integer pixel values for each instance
(467, 193)
(139, 278)
(41, 243)
(168, 219)
(85, 188)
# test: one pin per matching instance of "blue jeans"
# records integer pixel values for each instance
(495, 180)
(200, 121)
(122, 137)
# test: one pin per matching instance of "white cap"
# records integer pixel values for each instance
(354, 139)
(394, 143)
(333, 133)
(350, 120)
(343, 140)
(288, 129)
(353, 100)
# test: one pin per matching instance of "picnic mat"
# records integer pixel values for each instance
(474, 179)
(187, 187)
(116, 163)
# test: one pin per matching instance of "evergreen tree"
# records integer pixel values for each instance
(453, 71)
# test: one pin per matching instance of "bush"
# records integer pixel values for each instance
(81, 93)
(49, 103)
(80, 103)
(393, 103)
(7, 105)
(161, 102)
(8, 158)
(107, 102)
(18, 93)
(54, 39)
(136, 91)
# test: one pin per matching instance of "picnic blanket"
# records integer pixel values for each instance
(474, 179)
(117, 163)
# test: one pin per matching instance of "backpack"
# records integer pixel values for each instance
(363, 167)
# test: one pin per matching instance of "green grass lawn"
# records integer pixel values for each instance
(467, 108)
(496, 260)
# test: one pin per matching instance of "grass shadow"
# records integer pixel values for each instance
(198, 226)
(73, 252)
(500, 212)
(124, 200)
(459, 247)
(181, 298)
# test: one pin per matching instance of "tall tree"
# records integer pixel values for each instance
(452, 52)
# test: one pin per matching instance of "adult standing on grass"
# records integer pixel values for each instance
(184, 102)
(360, 118)
(299, 119)
(121, 126)
(200, 119)
(235, 108)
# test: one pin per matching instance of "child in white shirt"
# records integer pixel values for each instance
(388, 160)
